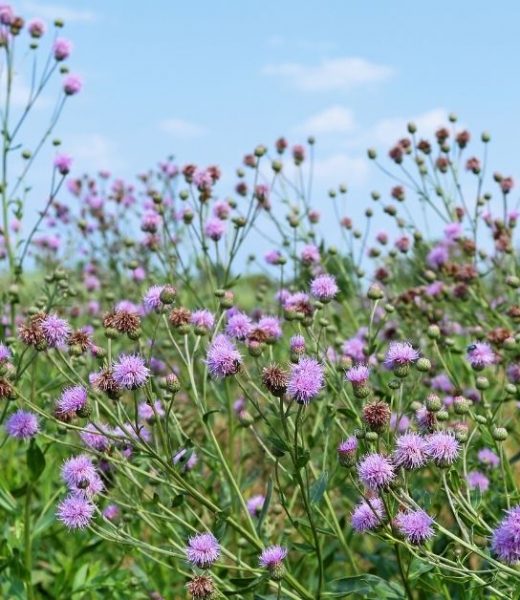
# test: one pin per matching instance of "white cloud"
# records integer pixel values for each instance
(94, 152)
(388, 131)
(341, 167)
(335, 119)
(57, 11)
(182, 128)
(339, 74)
(21, 91)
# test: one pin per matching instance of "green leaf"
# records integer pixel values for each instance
(318, 487)
(35, 460)
(208, 414)
(265, 506)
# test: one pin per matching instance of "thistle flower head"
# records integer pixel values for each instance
(477, 480)
(443, 448)
(305, 380)
(272, 559)
(72, 401)
(505, 541)
(487, 457)
(415, 526)
(400, 354)
(22, 425)
(275, 379)
(480, 355)
(255, 505)
(130, 372)
(324, 287)
(358, 375)
(376, 472)
(367, 515)
(55, 330)
(203, 319)
(410, 451)
(75, 512)
(223, 359)
(238, 326)
(202, 550)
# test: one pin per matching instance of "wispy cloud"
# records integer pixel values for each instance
(335, 119)
(182, 128)
(341, 167)
(332, 75)
(93, 152)
(387, 131)
(58, 11)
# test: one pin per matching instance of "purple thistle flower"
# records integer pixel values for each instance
(63, 163)
(203, 319)
(354, 349)
(78, 471)
(61, 49)
(324, 287)
(5, 353)
(513, 372)
(55, 330)
(415, 525)
(75, 512)
(72, 400)
(72, 85)
(95, 439)
(255, 505)
(271, 327)
(399, 423)
(358, 375)
(130, 371)
(238, 326)
(367, 515)
(400, 354)
(480, 355)
(410, 451)
(505, 541)
(214, 229)
(272, 557)
(152, 299)
(147, 412)
(305, 380)
(273, 257)
(22, 425)
(223, 359)
(488, 458)
(184, 460)
(310, 254)
(437, 256)
(111, 512)
(347, 450)
(297, 344)
(203, 550)
(477, 480)
(442, 448)
(375, 471)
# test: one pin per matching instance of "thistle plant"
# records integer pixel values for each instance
(184, 418)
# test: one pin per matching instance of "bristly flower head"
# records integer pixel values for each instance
(297, 344)
(5, 353)
(477, 480)
(200, 587)
(399, 357)
(272, 559)
(377, 415)
(488, 458)
(75, 512)
(22, 425)
(238, 326)
(203, 319)
(505, 541)
(275, 379)
(152, 299)
(410, 451)
(376, 472)
(72, 402)
(305, 380)
(358, 375)
(78, 471)
(324, 288)
(223, 359)
(367, 515)
(93, 437)
(255, 505)
(480, 355)
(130, 372)
(415, 525)
(347, 450)
(443, 448)
(203, 550)
(55, 330)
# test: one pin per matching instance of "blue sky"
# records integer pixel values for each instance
(207, 81)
